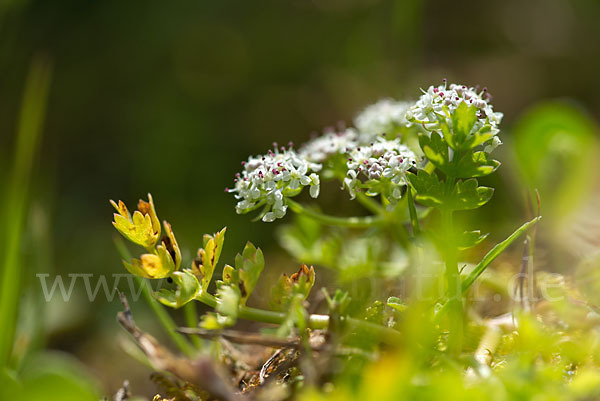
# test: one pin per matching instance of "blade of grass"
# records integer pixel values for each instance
(163, 316)
(31, 119)
(494, 252)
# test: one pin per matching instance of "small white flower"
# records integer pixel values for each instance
(331, 143)
(267, 180)
(430, 107)
(382, 160)
(380, 118)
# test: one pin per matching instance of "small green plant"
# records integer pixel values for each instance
(412, 166)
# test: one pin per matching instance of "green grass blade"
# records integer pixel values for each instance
(494, 253)
(30, 124)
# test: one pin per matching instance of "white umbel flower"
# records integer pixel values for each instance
(381, 117)
(430, 106)
(383, 161)
(267, 180)
(329, 144)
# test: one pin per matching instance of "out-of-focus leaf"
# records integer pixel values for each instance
(556, 147)
(470, 239)
(300, 282)
(494, 253)
(396, 303)
(56, 377)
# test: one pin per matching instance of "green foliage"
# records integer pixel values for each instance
(433, 192)
(287, 287)
(244, 276)
(208, 257)
(187, 288)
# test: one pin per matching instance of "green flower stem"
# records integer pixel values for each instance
(163, 316)
(352, 222)
(455, 305)
(414, 220)
(191, 319)
(369, 203)
(315, 321)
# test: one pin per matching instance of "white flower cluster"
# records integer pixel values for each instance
(331, 143)
(383, 159)
(381, 117)
(430, 107)
(267, 180)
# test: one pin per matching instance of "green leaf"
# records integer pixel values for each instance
(229, 301)
(463, 121)
(436, 151)
(208, 257)
(475, 164)
(430, 190)
(483, 135)
(187, 288)
(248, 265)
(467, 195)
(244, 276)
(287, 287)
(470, 239)
(494, 253)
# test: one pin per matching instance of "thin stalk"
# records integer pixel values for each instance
(315, 321)
(191, 319)
(454, 285)
(412, 211)
(29, 132)
(163, 317)
(369, 203)
(353, 222)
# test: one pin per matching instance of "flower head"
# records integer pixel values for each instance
(379, 167)
(267, 180)
(381, 117)
(329, 144)
(440, 102)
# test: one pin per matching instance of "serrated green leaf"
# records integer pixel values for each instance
(468, 195)
(475, 164)
(464, 118)
(436, 151)
(248, 265)
(208, 257)
(430, 190)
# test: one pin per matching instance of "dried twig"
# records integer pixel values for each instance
(200, 373)
(243, 337)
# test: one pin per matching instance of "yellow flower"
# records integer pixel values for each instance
(143, 228)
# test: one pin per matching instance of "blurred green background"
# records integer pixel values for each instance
(169, 97)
